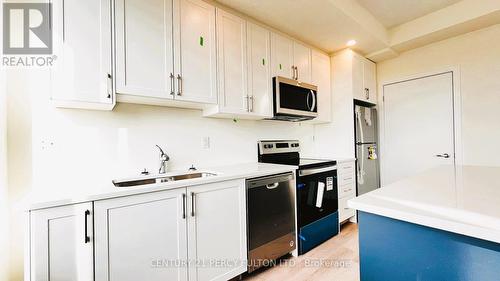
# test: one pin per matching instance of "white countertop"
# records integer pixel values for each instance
(108, 190)
(465, 200)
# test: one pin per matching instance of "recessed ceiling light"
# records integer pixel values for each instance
(351, 42)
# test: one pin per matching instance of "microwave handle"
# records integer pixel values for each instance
(314, 100)
(307, 101)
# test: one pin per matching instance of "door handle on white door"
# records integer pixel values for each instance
(445, 155)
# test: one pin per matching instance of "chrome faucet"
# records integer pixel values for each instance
(163, 161)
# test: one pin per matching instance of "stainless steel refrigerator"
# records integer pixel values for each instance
(367, 164)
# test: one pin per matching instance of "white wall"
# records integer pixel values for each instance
(477, 55)
(4, 203)
(66, 151)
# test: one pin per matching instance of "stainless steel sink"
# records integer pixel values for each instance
(160, 179)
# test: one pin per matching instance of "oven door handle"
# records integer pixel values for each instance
(313, 171)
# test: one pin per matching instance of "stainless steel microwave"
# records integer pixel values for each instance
(294, 100)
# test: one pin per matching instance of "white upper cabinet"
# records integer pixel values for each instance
(243, 69)
(195, 51)
(259, 70)
(282, 56)
(144, 48)
(61, 243)
(232, 46)
(320, 76)
(82, 75)
(302, 62)
(136, 237)
(370, 81)
(364, 79)
(166, 49)
(290, 59)
(217, 229)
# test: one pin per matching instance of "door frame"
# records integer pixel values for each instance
(457, 111)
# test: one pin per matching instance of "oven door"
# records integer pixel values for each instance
(317, 194)
(295, 98)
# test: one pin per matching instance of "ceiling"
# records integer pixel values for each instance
(382, 28)
(392, 13)
(317, 22)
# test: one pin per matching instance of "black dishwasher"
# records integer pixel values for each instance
(270, 218)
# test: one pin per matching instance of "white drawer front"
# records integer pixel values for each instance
(346, 178)
(345, 168)
(344, 211)
(347, 190)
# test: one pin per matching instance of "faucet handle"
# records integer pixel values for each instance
(145, 172)
(193, 168)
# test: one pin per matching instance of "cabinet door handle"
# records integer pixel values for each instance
(193, 204)
(248, 103)
(367, 93)
(251, 104)
(183, 205)
(179, 84)
(87, 237)
(172, 78)
(446, 155)
(109, 85)
(296, 73)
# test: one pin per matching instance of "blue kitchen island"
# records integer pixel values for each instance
(443, 224)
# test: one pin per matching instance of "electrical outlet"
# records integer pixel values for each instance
(47, 144)
(206, 143)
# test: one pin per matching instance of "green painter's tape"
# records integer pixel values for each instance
(281, 66)
(201, 40)
(263, 61)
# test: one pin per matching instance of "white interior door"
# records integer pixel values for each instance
(419, 126)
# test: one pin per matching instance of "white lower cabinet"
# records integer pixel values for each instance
(195, 233)
(346, 182)
(141, 237)
(61, 244)
(217, 230)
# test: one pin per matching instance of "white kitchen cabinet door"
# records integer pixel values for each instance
(144, 48)
(217, 230)
(302, 62)
(259, 70)
(195, 51)
(61, 243)
(370, 81)
(320, 76)
(281, 56)
(357, 77)
(82, 74)
(141, 237)
(232, 52)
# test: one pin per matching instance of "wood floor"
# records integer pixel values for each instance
(335, 260)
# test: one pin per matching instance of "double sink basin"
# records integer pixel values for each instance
(161, 179)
